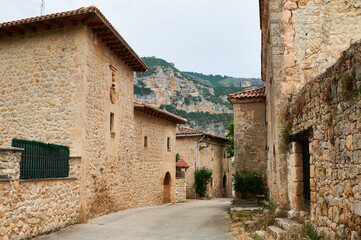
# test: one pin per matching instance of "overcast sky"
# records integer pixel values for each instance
(206, 36)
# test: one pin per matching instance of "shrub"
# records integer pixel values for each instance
(248, 183)
(202, 177)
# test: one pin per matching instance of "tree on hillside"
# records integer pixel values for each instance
(230, 136)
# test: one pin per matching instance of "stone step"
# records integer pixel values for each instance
(261, 234)
(276, 233)
(287, 224)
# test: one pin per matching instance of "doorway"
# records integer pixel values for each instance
(166, 188)
(306, 171)
(224, 186)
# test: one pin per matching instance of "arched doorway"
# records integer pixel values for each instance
(224, 186)
(166, 188)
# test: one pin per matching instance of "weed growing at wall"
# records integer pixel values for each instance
(310, 232)
(202, 177)
(248, 184)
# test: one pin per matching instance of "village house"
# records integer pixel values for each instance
(199, 149)
(156, 148)
(249, 109)
(67, 79)
(313, 110)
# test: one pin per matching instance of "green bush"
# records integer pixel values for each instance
(202, 177)
(248, 183)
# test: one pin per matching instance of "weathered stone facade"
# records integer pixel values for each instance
(181, 189)
(249, 130)
(65, 83)
(153, 160)
(214, 157)
(32, 207)
(329, 110)
(300, 40)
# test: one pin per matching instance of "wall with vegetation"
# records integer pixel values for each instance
(329, 107)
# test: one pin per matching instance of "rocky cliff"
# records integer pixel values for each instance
(202, 99)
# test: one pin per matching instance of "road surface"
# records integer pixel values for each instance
(194, 219)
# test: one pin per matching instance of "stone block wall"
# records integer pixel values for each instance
(151, 163)
(300, 39)
(329, 107)
(41, 73)
(181, 189)
(107, 154)
(250, 135)
(32, 207)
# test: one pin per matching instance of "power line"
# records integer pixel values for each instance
(42, 7)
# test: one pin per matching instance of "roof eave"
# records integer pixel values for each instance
(87, 16)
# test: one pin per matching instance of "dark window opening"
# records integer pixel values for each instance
(111, 122)
(145, 141)
(306, 170)
(168, 143)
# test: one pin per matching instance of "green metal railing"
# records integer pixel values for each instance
(41, 160)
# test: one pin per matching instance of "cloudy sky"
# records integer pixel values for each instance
(207, 36)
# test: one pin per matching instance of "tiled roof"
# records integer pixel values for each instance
(90, 16)
(184, 131)
(145, 108)
(253, 93)
(182, 164)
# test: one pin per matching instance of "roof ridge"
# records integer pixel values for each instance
(256, 92)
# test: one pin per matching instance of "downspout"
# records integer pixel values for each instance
(196, 164)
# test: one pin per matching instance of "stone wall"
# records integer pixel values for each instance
(329, 108)
(32, 207)
(300, 39)
(154, 161)
(219, 164)
(40, 74)
(250, 134)
(107, 155)
(181, 189)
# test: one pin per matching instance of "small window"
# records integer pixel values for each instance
(145, 141)
(112, 122)
(168, 143)
(212, 153)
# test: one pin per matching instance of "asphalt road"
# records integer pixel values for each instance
(194, 219)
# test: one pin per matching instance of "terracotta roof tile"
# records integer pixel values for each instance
(182, 164)
(253, 93)
(184, 131)
(139, 106)
(80, 14)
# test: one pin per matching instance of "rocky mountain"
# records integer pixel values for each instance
(201, 99)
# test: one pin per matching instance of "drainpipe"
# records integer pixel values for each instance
(196, 163)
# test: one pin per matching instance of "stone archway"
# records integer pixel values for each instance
(166, 188)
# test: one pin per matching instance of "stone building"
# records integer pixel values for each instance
(155, 145)
(309, 117)
(200, 149)
(67, 78)
(249, 109)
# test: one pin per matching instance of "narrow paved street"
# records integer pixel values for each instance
(194, 219)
